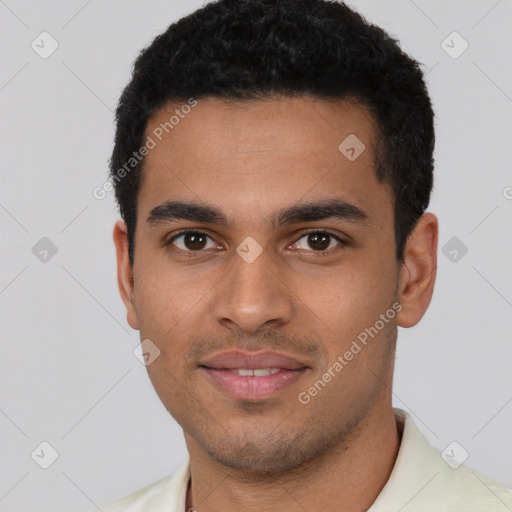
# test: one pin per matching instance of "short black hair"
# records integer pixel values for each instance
(255, 49)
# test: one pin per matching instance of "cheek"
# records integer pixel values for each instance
(169, 385)
(349, 293)
(350, 303)
(168, 308)
(162, 300)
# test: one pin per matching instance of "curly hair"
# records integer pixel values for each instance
(254, 49)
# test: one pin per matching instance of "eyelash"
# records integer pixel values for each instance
(342, 242)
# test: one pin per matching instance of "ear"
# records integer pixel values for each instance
(124, 272)
(418, 271)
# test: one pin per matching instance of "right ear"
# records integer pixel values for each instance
(124, 272)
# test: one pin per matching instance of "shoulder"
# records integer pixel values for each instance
(468, 487)
(139, 501)
(426, 480)
(167, 494)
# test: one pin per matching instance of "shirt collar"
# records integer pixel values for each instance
(416, 464)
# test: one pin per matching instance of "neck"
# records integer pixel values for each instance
(348, 478)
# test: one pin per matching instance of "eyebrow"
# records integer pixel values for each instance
(303, 212)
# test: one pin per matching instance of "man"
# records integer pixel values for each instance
(273, 165)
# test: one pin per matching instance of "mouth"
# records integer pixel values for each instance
(252, 376)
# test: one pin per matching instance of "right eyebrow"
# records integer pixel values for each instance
(179, 210)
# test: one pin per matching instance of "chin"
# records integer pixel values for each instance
(267, 455)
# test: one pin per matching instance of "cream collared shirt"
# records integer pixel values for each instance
(421, 481)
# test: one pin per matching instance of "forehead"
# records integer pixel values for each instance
(261, 155)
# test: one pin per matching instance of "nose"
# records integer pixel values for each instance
(253, 296)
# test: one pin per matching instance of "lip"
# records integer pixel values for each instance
(241, 359)
(252, 388)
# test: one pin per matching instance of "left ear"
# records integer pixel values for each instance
(418, 271)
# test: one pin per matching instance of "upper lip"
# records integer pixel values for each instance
(251, 360)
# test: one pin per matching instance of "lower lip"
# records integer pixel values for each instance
(253, 388)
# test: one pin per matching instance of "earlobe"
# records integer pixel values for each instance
(125, 281)
(418, 272)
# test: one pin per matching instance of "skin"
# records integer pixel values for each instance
(250, 160)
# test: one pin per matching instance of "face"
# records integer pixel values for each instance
(260, 244)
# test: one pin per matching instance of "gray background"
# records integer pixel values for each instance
(68, 373)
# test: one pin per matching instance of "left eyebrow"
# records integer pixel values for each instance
(321, 210)
(304, 212)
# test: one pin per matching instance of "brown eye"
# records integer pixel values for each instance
(191, 241)
(194, 241)
(319, 241)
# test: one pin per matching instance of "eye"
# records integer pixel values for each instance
(319, 241)
(192, 241)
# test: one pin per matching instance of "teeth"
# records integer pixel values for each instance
(243, 372)
(266, 371)
(258, 372)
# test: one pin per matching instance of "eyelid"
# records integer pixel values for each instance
(185, 231)
(342, 242)
(298, 237)
(320, 230)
